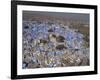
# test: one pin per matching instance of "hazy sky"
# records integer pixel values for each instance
(67, 16)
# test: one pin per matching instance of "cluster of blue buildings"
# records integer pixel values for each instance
(34, 31)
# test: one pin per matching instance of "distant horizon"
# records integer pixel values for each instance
(84, 18)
